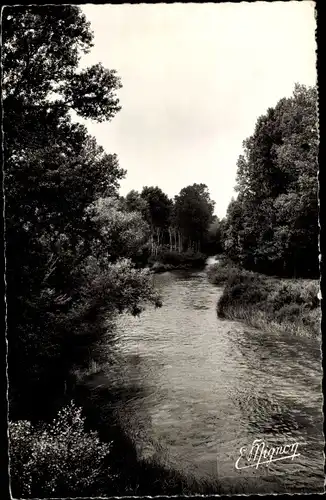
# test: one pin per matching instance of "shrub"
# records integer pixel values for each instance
(219, 274)
(174, 258)
(225, 271)
(301, 293)
(58, 459)
(243, 289)
(284, 295)
(289, 312)
(312, 321)
(293, 305)
(170, 257)
(309, 294)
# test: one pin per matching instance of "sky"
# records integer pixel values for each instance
(195, 79)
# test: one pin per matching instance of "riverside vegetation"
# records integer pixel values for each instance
(78, 253)
(269, 303)
(270, 233)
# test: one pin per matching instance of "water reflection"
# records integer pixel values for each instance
(211, 386)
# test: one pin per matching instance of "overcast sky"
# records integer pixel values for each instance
(195, 79)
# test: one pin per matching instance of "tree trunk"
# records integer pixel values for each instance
(152, 242)
(158, 237)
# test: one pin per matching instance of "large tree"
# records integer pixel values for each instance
(193, 214)
(135, 203)
(157, 213)
(273, 225)
(53, 173)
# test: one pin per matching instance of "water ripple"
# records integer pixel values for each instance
(212, 386)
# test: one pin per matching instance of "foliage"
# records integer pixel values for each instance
(272, 226)
(56, 178)
(176, 259)
(213, 245)
(193, 213)
(124, 233)
(57, 459)
(157, 208)
(293, 305)
(41, 51)
(183, 224)
(222, 271)
(134, 202)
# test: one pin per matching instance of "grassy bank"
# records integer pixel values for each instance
(269, 303)
(168, 260)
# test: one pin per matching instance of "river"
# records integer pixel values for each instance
(208, 386)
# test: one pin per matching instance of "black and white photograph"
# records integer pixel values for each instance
(162, 249)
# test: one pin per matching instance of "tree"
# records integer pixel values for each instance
(41, 51)
(157, 213)
(54, 171)
(135, 203)
(272, 227)
(123, 233)
(193, 213)
(214, 237)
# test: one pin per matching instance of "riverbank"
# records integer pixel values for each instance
(269, 303)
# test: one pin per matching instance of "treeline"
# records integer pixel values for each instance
(272, 225)
(183, 224)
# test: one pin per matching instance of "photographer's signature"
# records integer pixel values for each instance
(260, 454)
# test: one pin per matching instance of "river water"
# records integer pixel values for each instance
(207, 387)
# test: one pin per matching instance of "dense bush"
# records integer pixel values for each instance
(174, 258)
(58, 459)
(219, 273)
(264, 301)
(243, 289)
(288, 312)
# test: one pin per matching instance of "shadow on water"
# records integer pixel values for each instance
(131, 472)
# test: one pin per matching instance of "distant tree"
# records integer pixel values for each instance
(193, 213)
(157, 213)
(214, 237)
(135, 203)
